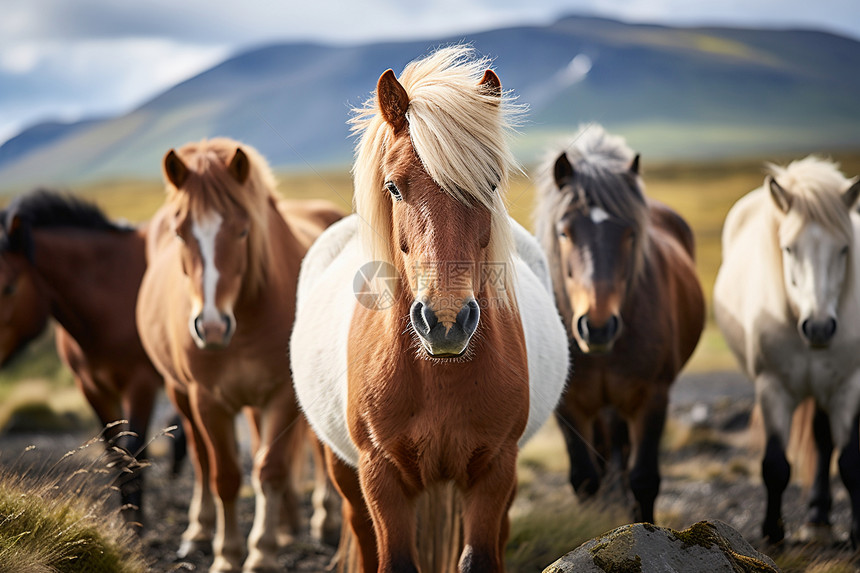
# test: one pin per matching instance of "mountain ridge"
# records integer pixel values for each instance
(674, 92)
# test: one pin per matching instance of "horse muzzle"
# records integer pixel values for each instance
(595, 338)
(818, 333)
(445, 334)
(212, 333)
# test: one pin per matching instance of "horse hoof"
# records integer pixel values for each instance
(817, 533)
(259, 563)
(223, 565)
(191, 546)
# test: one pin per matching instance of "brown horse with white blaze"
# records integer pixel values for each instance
(438, 379)
(626, 286)
(215, 313)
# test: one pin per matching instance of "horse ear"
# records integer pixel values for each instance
(780, 196)
(850, 196)
(563, 170)
(491, 84)
(18, 235)
(174, 169)
(393, 100)
(240, 166)
(634, 165)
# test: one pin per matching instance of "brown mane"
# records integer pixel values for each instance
(210, 185)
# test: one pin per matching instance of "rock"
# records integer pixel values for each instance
(706, 547)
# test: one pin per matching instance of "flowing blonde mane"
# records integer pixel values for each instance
(460, 133)
(211, 186)
(816, 186)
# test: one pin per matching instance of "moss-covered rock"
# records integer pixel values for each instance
(706, 547)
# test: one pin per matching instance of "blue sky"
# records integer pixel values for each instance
(67, 59)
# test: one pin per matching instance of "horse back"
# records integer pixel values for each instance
(669, 221)
(676, 285)
(308, 218)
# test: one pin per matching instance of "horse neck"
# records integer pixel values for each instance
(282, 268)
(90, 277)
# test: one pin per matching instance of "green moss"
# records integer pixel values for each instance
(703, 534)
(612, 556)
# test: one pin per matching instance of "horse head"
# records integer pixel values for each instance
(440, 233)
(24, 311)
(213, 229)
(816, 240)
(600, 243)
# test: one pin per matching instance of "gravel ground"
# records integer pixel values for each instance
(708, 473)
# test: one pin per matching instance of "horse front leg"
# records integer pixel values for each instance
(137, 401)
(216, 424)
(271, 479)
(646, 430)
(201, 510)
(845, 427)
(486, 500)
(576, 427)
(356, 519)
(392, 507)
(324, 525)
(820, 500)
(777, 407)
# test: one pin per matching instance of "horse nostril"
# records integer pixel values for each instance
(612, 326)
(469, 316)
(198, 325)
(229, 325)
(806, 328)
(423, 318)
(830, 328)
(582, 327)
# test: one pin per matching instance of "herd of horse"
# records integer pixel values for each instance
(232, 299)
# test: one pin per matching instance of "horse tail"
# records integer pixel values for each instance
(801, 450)
(440, 529)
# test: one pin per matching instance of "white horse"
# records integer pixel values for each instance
(787, 301)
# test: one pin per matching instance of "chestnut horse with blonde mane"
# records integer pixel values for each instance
(215, 312)
(450, 352)
(626, 285)
(62, 257)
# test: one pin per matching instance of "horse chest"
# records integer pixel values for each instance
(433, 430)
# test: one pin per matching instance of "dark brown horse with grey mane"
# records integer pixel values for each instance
(626, 286)
(61, 257)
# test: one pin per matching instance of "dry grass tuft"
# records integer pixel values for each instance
(61, 519)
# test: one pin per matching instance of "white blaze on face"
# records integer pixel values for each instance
(598, 215)
(814, 272)
(205, 230)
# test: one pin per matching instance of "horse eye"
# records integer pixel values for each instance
(8, 289)
(787, 250)
(562, 234)
(243, 233)
(844, 251)
(395, 192)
